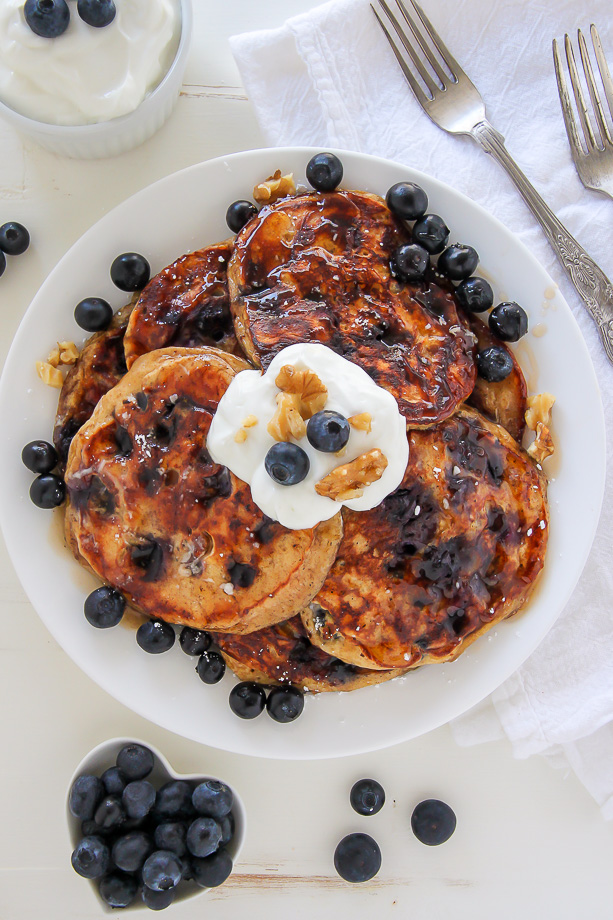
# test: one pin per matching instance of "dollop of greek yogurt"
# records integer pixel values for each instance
(86, 75)
(351, 392)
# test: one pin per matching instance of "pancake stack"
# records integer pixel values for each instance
(365, 596)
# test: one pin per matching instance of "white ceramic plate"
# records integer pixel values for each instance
(186, 211)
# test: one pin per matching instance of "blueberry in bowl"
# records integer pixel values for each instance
(135, 855)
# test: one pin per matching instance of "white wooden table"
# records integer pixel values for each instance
(530, 842)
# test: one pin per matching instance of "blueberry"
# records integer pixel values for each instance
(39, 457)
(508, 321)
(131, 850)
(286, 463)
(324, 171)
(85, 793)
(130, 272)
(494, 364)
(158, 900)
(433, 822)
(174, 800)
(194, 641)
(91, 857)
(328, 431)
(409, 262)
(109, 813)
(91, 829)
(155, 636)
(48, 491)
(367, 797)
(227, 829)
(138, 798)
(170, 835)
(162, 870)
(14, 238)
(212, 798)
(93, 314)
(212, 870)
(104, 607)
(239, 214)
(118, 889)
(431, 232)
(135, 761)
(247, 699)
(211, 667)
(475, 295)
(2, 263)
(284, 704)
(114, 781)
(47, 18)
(357, 858)
(96, 13)
(407, 200)
(203, 836)
(458, 261)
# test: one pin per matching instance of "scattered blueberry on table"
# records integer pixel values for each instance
(367, 797)
(287, 463)
(14, 238)
(239, 214)
(357, 858)
(433, 822)
(324, 172)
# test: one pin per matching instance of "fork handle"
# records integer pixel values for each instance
(589, 280)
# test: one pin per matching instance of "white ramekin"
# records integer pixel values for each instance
(104, 756)
(109, 138)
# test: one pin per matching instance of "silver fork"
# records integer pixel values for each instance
(594, 161)
(452, 101)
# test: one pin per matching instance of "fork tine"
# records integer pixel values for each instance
(593, 89)
(603, 68)
(567, 109)
(450, 62)
(421, 96)
(590, 140)
(419, 67)
(431, 59)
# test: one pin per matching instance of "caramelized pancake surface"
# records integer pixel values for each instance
(178, 534)
(315, 268)
(283, 654)
(455, 549)
(100, 365)
(186, 304)
(503, 402)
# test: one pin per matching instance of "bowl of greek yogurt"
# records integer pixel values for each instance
(93, 91)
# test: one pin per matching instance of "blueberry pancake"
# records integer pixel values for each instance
(503, 401)
(185, 304)
(283, 654)
(100, 365)
(179, 535)
(315, 268)
(456, 548)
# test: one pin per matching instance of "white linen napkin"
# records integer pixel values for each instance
(329, 78)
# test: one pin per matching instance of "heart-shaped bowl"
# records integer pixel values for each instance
(104, 756)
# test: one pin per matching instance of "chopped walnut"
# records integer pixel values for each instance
(250, 421)
(275, 187)
(287, 422)
(539, 409)
(241, 436)
(542, 446)
(50, 375)
(363, 422)
(305, 384)
(349, 480)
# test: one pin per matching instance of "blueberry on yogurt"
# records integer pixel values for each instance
(96, 13)
(287, 463)
(328, 431)
(47, 18)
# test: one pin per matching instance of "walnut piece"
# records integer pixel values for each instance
(362, 422)
(542, 446)
(241, 436)
(50, 375)
(287, 422)
(250, 421)
(311, 392)
(349, 480)
(539, 409)
(275, 187)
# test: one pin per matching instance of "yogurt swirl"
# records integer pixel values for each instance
(351, 392)
(86, 75)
